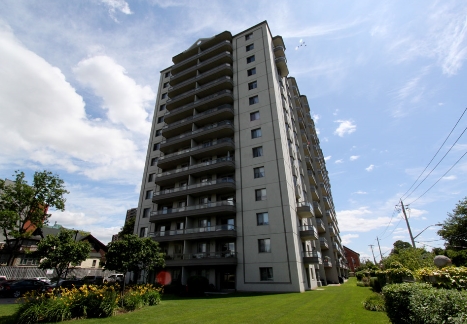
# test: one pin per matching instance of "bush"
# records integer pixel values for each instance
(448, 277)
(375, 303)
(375, 284)
(132, 300)
(366, 281)
(421, 303)
(197, 285)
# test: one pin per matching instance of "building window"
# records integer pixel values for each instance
(161, 107)
(143, 232)
(159, 132)
(254, 116)
(146, 212)
(250, 47)
(164, 95)
(248, 36)
(27, 260)
(94, 262)
(262, 218)
(255, 133)
(160, 119)
(253, 100)
(264, 245)
(250, 59)
(156, 146)
(167, 74)
(251, 72)
(149, 194)
(252, 85)
(257, 151)
(260, 194)
(166, 85)
(151, 177)
(154, 161)
(259, 172)
(265, 274)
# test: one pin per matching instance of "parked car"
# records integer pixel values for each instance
(116, 277)
(16, 288)
(93, 280)
(64, 283)
(44, 279)
(2, 279)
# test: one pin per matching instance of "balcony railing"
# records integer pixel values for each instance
(226, 227)
(198, 185)
(196, 166)
(199, 130)
(199, 65)
(199, 76)
(199, 147)
(194, 207)
(202, 87)
(200, 115)
(198, 102)
(210, 49)
(311, 254)
(201, 255)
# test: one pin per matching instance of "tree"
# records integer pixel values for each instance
(128, 228)
(411, 258)
(24, 207)
(133, 253)
(61, 251)
(400, 245)
(367, 265)
(454, 232)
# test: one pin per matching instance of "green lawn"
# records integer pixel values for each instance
(337, 304)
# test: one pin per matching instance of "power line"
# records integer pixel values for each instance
(392, 216)
(392, 230)
(438, 163)
(435, 154)
(439, 179)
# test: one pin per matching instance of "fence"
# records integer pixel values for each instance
(31, 272)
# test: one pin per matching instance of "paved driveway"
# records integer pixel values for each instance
(4, 301)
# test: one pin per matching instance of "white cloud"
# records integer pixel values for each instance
(360, 192)
(315, 117)
(44, 121)
(370, 168)
(327, 158)
(360, 220)
(451, 177)
(354, 157)
(339, 161)
(125, 101)
(120, 5)
(335, 112)
(347, 238)
(345, 127)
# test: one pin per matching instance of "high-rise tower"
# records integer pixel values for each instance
(235, 186)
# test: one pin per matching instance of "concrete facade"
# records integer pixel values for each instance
(235, 186)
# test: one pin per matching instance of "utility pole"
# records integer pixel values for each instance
(373, 254)
(408, 226)
(381, 254)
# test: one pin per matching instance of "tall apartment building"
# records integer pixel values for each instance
(235, 186)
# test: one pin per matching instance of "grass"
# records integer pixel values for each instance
(336, 304)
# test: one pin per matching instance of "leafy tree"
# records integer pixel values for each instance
(61, 251)
(410, 258)
(133, 253)
(128, 228)
(454, 232)
(367, 265)
(400, 245)
(24, 207)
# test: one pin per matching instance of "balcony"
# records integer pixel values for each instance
(330, 216)
(314, 193)
(317, 209)
(201, 259)
(332, 231)
(323, 243)
(281, 63)
(223, 207)
(305, 210)
(328, 203)
(210, 75)
(206, 54)
(327, 263)
(222, 165)
(218, 231)
(219, 186)
(201, 67)
(224, 128)
(320, 226)
(324, 189)
(218, 147)
(209, 116)
(310, 257)
(202, 104)
(279, 51)
(311, 177)
(308, 232)
(308, 162)
(203, 90)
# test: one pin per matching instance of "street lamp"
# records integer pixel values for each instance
(426, 229)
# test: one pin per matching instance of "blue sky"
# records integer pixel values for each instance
(386, 82)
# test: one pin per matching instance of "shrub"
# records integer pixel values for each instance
(197, 285)
(360, 284)
(397, 300)
(366, 281)
(132, 300)
(448, 277)
(375, 284)
(375, 303)
(31, 311)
